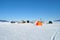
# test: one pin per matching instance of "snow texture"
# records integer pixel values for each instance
(29, 31)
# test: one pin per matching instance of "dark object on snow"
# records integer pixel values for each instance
(13, 22)
(23, 21)
(27, 21)
(50, 22)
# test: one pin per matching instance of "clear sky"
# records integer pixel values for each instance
(29, 9)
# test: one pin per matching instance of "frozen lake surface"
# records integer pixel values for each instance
(29, 31)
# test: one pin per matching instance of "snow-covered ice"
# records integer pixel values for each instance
(29, 31)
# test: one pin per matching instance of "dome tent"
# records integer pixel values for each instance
(38, 23)
(50, 22)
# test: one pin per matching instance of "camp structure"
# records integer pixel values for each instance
(39, 23)
(50, 22)
(12, 22)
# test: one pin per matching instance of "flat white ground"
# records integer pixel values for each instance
(29, 31)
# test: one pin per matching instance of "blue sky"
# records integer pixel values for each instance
(29, 9)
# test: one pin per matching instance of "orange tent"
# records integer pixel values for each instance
(38, 23)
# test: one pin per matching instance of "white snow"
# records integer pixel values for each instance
(29, 31)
